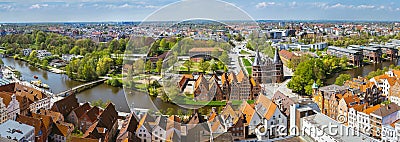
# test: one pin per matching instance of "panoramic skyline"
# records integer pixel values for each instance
(137, 10)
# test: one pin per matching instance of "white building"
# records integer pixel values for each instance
(14, 130)
(43, 53)
(253, 118)
(43, 103)
(13, 108)
(69, 57)
(26, 52)
(144, 128)
(272, 117)
(159, 132)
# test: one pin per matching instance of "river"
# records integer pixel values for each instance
(362, 71)
(61, 82)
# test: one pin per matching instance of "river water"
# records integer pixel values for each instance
(362, 71)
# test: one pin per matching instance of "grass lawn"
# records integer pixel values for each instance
(252, 59)
(246, 62)
(141, 86)
(244, 52)
(249, 70)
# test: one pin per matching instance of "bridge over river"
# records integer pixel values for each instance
(80, 88)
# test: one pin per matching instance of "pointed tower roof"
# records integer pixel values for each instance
(257, 59)
(277, 58)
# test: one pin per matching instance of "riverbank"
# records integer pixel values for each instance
(362, 71)
(47, 68)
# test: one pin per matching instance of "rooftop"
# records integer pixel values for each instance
(14, 129)
(343, 49)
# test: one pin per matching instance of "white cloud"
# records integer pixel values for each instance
(125, 6)
(381, 7)
(264, 4)
(365, 6)
(38, 6)
(151, 6)
(293, 4)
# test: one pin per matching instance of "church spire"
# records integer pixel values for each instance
(257, 59)
(277, 58)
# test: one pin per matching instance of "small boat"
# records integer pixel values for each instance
(39, 84)
(36, 77)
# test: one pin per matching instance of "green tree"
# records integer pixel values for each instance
(306, 73)
(204, 66)
(104, 65)
(45, 63)
(224, 58)
(163, 44)
(342, 78)
(213, 65)
(170, 111)
(215, 53)
(248, 46)
(159, 66)
(138, 66)
(188, 64)
(74, 50)
(148, 66)
(40, 37)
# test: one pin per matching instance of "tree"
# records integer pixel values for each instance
(40, 37)
(248, 46)
(159, 66)
(148, 66)
(163, 44)
(307, 72)
(203, 65)
(188, 64)
(1, 62)
(138, 66)
(170, 111)
(224, 58)
(104, 65)
(215, 53)
(45, 63)
(213, 65)
(342, 78)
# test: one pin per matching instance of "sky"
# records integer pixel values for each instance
(138, 10)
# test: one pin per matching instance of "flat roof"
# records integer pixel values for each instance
(343, 49)
(7, 127)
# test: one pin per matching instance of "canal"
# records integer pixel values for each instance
(362, 71)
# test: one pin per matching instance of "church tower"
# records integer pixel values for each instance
(256, 68)
(278, 67)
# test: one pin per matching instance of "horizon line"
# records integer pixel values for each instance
(257, 20)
